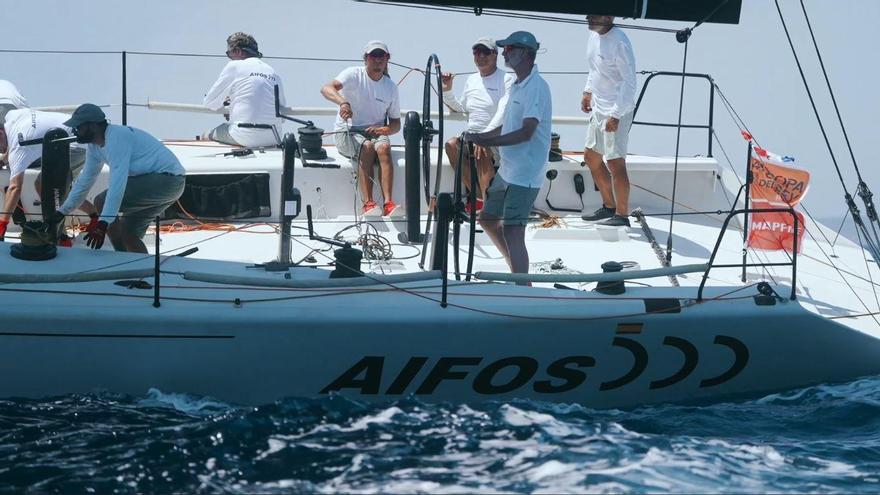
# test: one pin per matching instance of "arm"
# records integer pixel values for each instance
(393, 114)
(495, 138)
(498, 118)
(83, 183)
(119, 158)
(449, 98)
(220, 90)
(331, 91)
(13, 194)
(626, 97)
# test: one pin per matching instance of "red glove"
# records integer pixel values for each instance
(3, 225)
(95, 235)
(93, 222)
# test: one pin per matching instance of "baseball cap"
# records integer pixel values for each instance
(487, 42)
(520, 38)
(86, 112)
(245, 42)
(375, 45)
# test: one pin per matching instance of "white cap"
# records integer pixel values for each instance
(9, 95)
(375, 45)
(487, 42)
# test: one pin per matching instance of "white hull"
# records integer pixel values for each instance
(493, 341)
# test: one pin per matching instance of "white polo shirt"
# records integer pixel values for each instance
(481, 98)
(612, 79)
(28, 124)
(523, 164)
(250, 86)
(371, 101)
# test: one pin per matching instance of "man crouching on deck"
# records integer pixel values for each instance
(145, 179)
(524, 141)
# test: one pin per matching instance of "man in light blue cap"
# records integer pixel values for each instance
(524, 141)
(145, 179)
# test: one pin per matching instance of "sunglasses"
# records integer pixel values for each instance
(377, 54)
(482, 50)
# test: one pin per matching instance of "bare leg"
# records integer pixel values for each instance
(601, 176)
(383, 150)
(621, 185)
(452, 155)
(485, 172)
(494, 228)
(515, 235)
(365, 177)
(121, 238)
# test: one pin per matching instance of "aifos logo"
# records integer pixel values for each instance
(512, 373)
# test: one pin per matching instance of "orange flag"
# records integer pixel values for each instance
(776, 183)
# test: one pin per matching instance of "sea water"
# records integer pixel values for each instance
(818, 439)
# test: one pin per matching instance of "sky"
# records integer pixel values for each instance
(751, 63)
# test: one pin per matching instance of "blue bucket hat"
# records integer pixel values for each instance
(520, 38)
(86, 112)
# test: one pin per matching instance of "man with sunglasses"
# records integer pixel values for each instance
(145, 179)
(368, 99)
(482, 99)
(610, 99)
(247, 86)
(524, 140)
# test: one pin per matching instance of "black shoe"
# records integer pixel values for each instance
(616, 221)
(600, 214)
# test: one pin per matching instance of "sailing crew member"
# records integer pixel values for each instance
(10, 98)
(524, 141)
(247, 86)
(368, 98)
(481, 100)
(610, 99)
(27, 124)
(145, 179)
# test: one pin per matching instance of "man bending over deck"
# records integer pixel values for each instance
(27, 124)
(10, 98)
(482, 100)
(609, 98)
(368, 99)
(145, 179)
(524, 139)
(247, 86)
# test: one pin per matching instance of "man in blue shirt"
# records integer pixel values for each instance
(145, 179)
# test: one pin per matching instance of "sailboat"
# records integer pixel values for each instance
(264, 287)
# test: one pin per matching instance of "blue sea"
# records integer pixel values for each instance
(819, 439)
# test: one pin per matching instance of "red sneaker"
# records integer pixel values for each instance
(389, 209)
(467, 206)
(371, 210)
(65, 241)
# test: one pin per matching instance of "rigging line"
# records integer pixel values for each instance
(839, 229)
(677, 146)
(63, 52)
(868, 269)
(831, 92)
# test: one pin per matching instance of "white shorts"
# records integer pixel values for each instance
(610, 145)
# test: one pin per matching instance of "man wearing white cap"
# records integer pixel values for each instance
(482, 100)
(524, 139)
(610, 98)
(247, 86)
(10, 98)
(368, 98)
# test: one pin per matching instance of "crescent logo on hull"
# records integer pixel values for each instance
(509, 374)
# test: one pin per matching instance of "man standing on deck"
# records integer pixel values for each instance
(524, 139)
(145, 179)
(247, 86)
(27, 124)
(368, 98)
(609, 99)
(482, 100)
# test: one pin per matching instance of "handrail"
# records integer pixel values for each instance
(711, 123)
(792, 263)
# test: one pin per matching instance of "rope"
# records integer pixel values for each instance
(677, 148)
